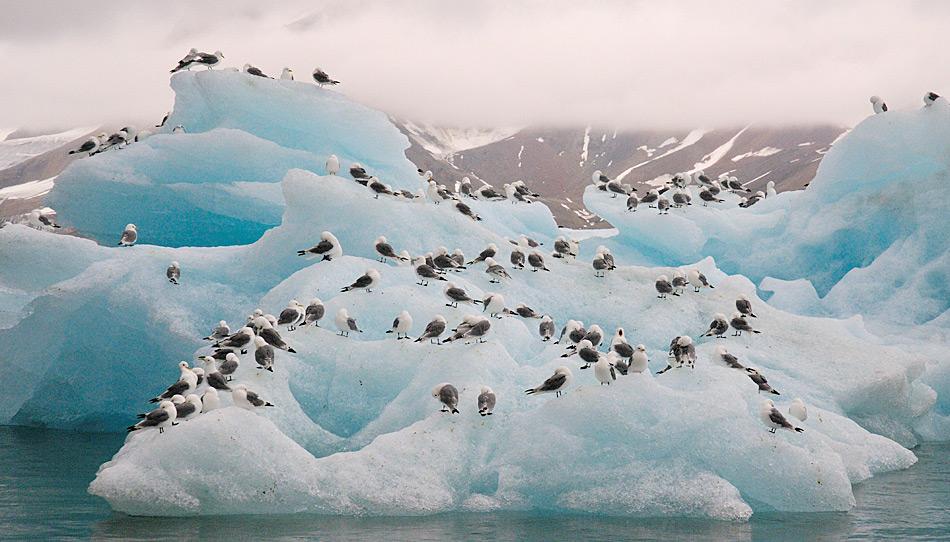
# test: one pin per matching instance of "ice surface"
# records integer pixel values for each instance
(93, 331)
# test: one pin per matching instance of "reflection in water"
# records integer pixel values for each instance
(44, 475)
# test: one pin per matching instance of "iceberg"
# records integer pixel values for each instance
(91, 331)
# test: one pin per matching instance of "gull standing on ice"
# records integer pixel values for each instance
(639, 361)
(433, 330)
(448, 396)
(740, 324)
(698, 280)
(554, 384)
(173, 273)
(728, 359)
(489, 252)
(486, 401)
(774, 419)
(345, 323)
(287, 74)
(930, 98)
(263, 354)
(517, 259)
(385, 250)
(718, 327)
(328, 247)
(314, 312)
(425, 272)
(333, 165)
(457, 295)
(231, 363)
(546, 328)
(292, 316)
(247, 399)
(187, 382)
(604, 372)
(536, 261)
(129, 235)
(210, 400)
(744, 306)
(322, 78)
(215, 379)
(401, 326)
(273, 338)
(221, 331)
(240, 339)
(495, 271)
(663, 287)
(162, 417)
(878, 104)
(760, 381)
(493, 304)
(366, 282)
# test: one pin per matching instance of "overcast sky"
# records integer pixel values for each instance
(621, 64)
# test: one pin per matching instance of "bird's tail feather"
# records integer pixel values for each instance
(292, 351)
(799, 430)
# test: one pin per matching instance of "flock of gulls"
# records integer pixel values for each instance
(199, 389)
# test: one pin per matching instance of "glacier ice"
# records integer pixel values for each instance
(88, 332)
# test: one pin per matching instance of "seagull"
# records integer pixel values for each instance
(472, 326)
(536, 261)
(263, 354)
(729, 359)
(652, 196)
(600, 266)
(359, 174)
(678, 282)
(187, 382)
(287, 74)
(89, 146)
(575, 333)
(681, 198)
(292, 316)
(379, 188)
(314, 312)
(215, 379)
(878, 104)
(129, 235)
(740, 324)
(608, 258)
(682, 352)
(247, 399)
(457, 295)
(221, 331)
(333, 165)
(251, 70)
(594, 334)
(708, 197)
(495, 271)
(186, 60)
(586, 351)
(632, 202)
(604, 372)
(525, 311)
(433, 330)
(209, 60)
(798, 410)
(322, 78)
(562, 248)
(698, 280)
(269, 334)
(486, 401)
(744, 306)
(401, 326)
(425, 272)
(546, 328)
(556, 383)
(663, 287)
(489, 192)
(187, 409)
(493, 304)
(466, 210)
(239, 339)
(663, 205)
(639, 360)
(930, 98)
(162, 417)
(366, 282)
(46, 217)
(448, 396)
(718, 327)
(618, 362)
(173, 273)
(230, 364)
(490, 251)
(210, 400)
(328, 247)
(345, 323)
(774, 419)
(760, 381)
(752, 200)
(443, 260)
(517, 259)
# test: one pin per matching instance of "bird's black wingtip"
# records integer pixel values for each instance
(799, 430)
(291, 350)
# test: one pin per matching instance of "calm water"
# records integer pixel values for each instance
(44, 475)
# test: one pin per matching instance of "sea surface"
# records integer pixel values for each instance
(44, 475)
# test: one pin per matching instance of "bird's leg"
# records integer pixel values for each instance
(161, 430)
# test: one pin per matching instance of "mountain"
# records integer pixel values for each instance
(558, 162)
